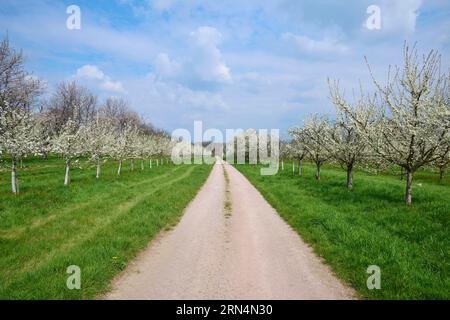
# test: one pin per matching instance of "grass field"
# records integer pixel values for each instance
(369, 225)
(97, 225)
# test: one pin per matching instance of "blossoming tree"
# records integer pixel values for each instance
(17, 137)
(69, 144)
(413, 115)
(313, 136)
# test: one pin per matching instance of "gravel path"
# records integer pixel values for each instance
(210, 254)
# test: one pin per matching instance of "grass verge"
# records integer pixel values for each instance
(227, 204)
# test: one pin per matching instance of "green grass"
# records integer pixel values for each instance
(227, 205)
(369, 225)
(98, 225)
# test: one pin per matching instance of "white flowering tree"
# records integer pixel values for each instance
(413, 111)
(43, 132)
(168, 145)
(122, 146)
(17, 137)
(118, 148)
(97, 137)
(70, 145)
(19, 92)
(297, 151)
(144, 148)
(159, 148)
(150, 149)
(443, 160)
(347, 142)
(314, 137)
(284, 152)
(133, 145)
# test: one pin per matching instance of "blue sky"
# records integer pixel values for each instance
(231, 64)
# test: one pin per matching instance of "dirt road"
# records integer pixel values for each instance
(247, 252)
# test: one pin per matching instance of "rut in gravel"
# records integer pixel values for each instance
(229, 244)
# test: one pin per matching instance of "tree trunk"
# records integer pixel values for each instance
(21, 163)
(350, 177)
(157, 162)
(13, 177)
(150, 163)
(282, 165)
(132, 165)
(119, 171)
(318, 164)
(98, 169)
(67, 176)
(441, 173)
(408, 193)
(142, 165)
(299, 167)
(293, 167)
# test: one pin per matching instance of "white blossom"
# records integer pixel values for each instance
(313, 136)
(69, 144)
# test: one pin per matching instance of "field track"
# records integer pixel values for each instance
(230, 244)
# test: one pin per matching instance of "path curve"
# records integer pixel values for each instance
(251, 254)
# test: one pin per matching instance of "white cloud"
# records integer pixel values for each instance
(206, 36)
(165, 67)
(157, 98)
(309, 45)
(201, 66)
(209, 61)
(91, 72)
(114, 86)
(184, 97)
